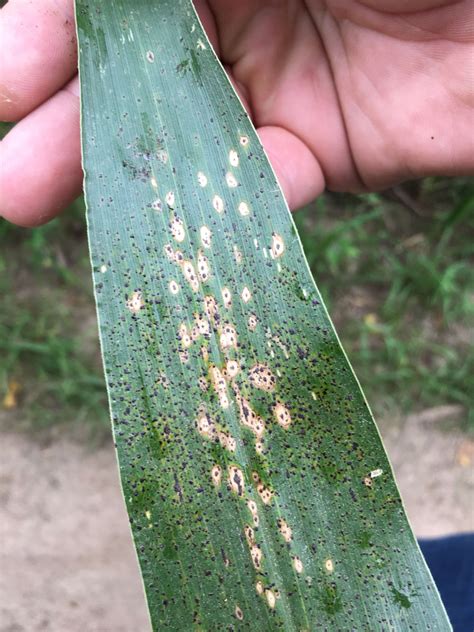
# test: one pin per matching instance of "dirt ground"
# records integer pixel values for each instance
(66, 558)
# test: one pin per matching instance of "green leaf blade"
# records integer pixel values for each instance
(259, 493)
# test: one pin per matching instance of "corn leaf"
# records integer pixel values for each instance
(259, 494)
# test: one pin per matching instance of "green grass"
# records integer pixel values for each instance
(398, 280)
(48, 331)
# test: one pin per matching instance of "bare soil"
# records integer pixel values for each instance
(66, 559)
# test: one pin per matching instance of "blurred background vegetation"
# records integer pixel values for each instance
(395, 269)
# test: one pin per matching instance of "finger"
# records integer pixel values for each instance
(38, 52)
(41, 161)
(298, 172)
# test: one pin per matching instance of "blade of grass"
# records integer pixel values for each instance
(259, 493)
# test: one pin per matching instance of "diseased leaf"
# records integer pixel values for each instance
(259, 494)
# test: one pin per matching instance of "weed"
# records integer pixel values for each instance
(48, 333)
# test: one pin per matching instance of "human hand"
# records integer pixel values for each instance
(345, 94)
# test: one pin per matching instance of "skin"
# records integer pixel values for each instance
(347, 95)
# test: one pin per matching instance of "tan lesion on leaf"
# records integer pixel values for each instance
(285, 530)
(163, 380)
(249, 534)
(228, 337)
(206, 236)
(206, 426)
(236, 480)
(173, 287)
(246, 295)
(282, 415)
(244, 209)
(178, 257)
(232, 368)
(218, 379)
(177, 228)
(202, 383)
(202, 179)
(224, 400)
(297, 564)
(252, 322)
(252, 507)
(169, 251)
(135, 302)
(199, 328)
(227, 441)
(190, 275)
(256, 555)
(266, 494)
(270, 595)
(271, 598)
(218, 204)
(170, 199)
(220, 386)
(211, 309)
(277, 247)
(367, 481)
(231, 180)
(262, 378)
(184, 336)
(248, 417)
(233, 158)
(216, 475)
(226, 297)
(204, 270)
(202, 325)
